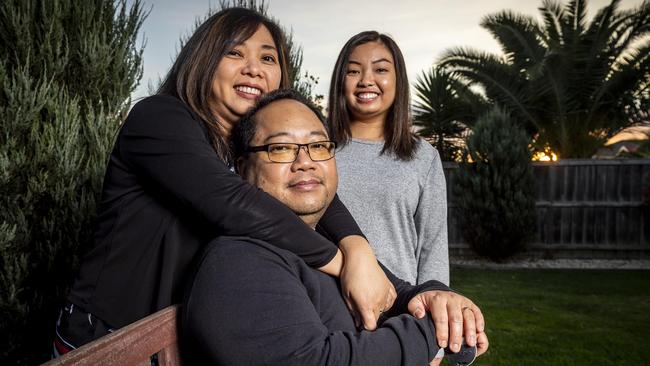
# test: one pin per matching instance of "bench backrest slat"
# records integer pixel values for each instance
(132, 345)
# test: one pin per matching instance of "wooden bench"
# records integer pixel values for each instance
(132, 345)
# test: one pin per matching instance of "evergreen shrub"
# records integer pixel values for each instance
(495, 188)
(67, 69)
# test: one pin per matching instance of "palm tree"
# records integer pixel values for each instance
(571, 83)
(444, 109)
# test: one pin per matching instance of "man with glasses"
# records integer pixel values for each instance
(252, 303)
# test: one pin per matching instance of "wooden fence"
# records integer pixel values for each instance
(585, 209)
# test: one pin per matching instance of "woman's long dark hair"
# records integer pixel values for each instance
(398, 138)
(192, 75)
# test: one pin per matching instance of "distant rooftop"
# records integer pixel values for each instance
(631, 134)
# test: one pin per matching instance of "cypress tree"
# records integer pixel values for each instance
(495, 188)
(67, 69)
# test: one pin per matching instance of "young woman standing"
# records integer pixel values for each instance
(391, 181)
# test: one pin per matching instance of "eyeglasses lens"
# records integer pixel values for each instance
(287, 153)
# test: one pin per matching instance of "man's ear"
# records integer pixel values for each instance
(240, 166)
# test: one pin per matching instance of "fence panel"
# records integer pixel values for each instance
(585, 208)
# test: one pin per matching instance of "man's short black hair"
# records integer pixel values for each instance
(244, 131)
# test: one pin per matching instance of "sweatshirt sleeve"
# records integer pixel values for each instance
(431, 226)
(252, 309)
(169, 152)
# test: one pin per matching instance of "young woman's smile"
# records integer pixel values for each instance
(370, 82)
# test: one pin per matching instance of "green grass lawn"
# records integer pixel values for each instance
(561, 317)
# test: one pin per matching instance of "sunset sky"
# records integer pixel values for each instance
(423, 29)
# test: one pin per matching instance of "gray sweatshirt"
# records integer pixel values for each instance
(401, 206)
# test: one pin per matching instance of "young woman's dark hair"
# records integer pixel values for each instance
(190, 78)
(399, 140)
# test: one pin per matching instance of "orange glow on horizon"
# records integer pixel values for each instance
(546, 155)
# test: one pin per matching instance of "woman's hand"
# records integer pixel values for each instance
(366, 289)
(454, 315)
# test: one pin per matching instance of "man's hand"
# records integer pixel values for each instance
(366, 289)
(454, 316)
(482, 343)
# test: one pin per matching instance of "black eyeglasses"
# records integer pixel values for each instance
(288, 152)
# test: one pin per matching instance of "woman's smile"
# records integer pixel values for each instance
(370, 82)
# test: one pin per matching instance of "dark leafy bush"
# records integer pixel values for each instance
(495, 188)
(67, 69)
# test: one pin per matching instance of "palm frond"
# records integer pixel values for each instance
(633, 26)
(577, 11)
(596, 41)
(625, 90)
(573, 22)
(502, 83)
(444, 109)
(518, 35)
(552, 13)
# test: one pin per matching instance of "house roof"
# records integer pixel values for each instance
(634, 133)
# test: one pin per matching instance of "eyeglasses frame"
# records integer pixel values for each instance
(265, 148)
